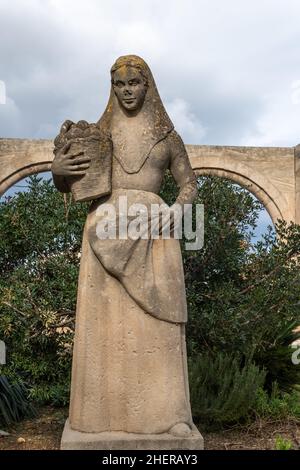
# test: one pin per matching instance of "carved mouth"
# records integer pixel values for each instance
(129, 100)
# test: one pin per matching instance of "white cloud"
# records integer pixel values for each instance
(185, 121)
(279, 124)
(11, 118)
(224, 69)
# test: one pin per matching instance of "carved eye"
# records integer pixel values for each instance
(119, 84)
(133, 82)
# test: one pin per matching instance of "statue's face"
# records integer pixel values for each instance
(130, 88)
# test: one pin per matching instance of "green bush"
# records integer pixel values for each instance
(223, 390)
(276, 357)
(283, 444)
(278, 404)
(40, 245)
(14, 404)
(56, 394)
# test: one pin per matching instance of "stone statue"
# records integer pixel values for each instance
(129, 376)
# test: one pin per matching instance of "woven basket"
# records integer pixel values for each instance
(97, 180)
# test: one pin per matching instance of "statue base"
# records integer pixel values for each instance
(117, 440)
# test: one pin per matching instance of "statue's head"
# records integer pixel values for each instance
(133, 91)
(130, 85)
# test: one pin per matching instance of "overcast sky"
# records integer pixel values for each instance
(227, 70)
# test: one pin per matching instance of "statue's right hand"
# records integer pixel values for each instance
(66, 163)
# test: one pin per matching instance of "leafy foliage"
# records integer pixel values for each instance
(39, 258)
(242, 297)
(277, 405)
(283, 444)
(14, 404)
(223, 389)
(277, 359)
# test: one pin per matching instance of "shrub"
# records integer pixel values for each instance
(39, 262)
(276, 357)
(282, 444)
(277, 405)
(56, 394)
(14, 404)
(223, 390)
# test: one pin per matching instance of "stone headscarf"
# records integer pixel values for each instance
(134, 137)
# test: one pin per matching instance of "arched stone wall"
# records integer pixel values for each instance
(272, 174)
(23, 157)
(268, 172)
(271, 206)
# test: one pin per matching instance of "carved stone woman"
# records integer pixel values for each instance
(129, 363)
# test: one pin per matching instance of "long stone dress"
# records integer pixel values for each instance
(129, 360)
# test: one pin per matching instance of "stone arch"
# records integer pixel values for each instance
(267, 201)
(272, 174)
(20, 158)
(267, 172)
(21, 174)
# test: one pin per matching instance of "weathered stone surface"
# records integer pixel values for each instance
(84, 139)
(75, 440)
(23, 157)
(129, 361)
(268, 172)
(129, 368)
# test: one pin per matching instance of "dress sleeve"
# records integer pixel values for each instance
(181, 170)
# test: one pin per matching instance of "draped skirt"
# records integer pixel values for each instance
(129, 369)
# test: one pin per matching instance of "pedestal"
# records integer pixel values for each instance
(117, 440)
